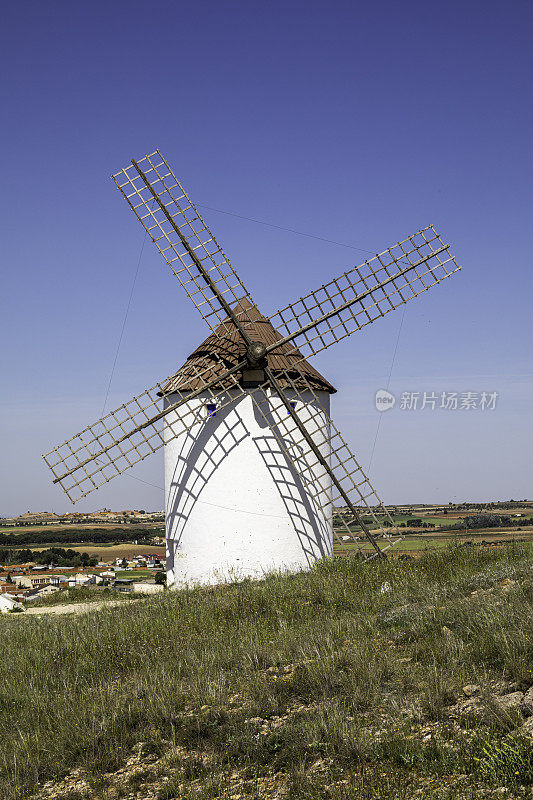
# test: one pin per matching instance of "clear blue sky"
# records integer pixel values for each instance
(359, 122)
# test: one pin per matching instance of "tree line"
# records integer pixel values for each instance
(53, 555)
(96, 535)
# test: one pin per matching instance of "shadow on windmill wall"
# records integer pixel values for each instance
(202, 454)
(196, 464)
(308, 520)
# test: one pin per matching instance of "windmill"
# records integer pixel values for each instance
(257, 476)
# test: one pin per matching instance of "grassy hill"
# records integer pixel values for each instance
(395, 680)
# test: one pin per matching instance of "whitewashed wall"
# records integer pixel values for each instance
(235, 507)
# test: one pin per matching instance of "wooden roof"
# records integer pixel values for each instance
(228, 345)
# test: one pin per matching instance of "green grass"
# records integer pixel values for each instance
(418, 543)
(429, 540)
(135, 574)
(320, 683)
(409, 543)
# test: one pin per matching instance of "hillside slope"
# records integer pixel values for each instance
(396, 680)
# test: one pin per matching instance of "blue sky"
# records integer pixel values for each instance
(356, 122)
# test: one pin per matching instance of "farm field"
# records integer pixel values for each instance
(109, 552)
(417, 543)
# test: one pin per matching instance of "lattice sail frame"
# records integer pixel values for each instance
(136, 429)
(363, 294)
(125, 444)
(116, 442)
(315, 478)
(321, 491)
(192, 227)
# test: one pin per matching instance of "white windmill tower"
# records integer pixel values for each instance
(235, 505)
(257, 476)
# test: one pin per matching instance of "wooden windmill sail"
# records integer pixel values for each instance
(264, 357)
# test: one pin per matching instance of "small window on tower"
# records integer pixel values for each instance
(211, 410)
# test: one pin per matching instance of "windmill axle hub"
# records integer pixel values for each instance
(256, 351)
(254, 375)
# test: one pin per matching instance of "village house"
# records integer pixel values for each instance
(57, 580)
(43, 591)
(32, 581)
(80, 579)
(11, 590)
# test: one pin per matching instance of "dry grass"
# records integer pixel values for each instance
(82, 594)
(316, 685)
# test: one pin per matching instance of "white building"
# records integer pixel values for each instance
(83, 579)
(235, 506)
(147, 587)
(7, 604)
(56, 579)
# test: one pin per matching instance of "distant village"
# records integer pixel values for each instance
(103, 515)
(25, 583)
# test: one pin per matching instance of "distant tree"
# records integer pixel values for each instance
(124, 563)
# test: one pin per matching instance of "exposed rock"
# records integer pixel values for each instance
(526, 729)
(471, 689)
(526, 707)
(510, 702)
(470, 708)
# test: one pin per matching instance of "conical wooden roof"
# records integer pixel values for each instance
(229, 346)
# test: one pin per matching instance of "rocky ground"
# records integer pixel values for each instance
(169, 773)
